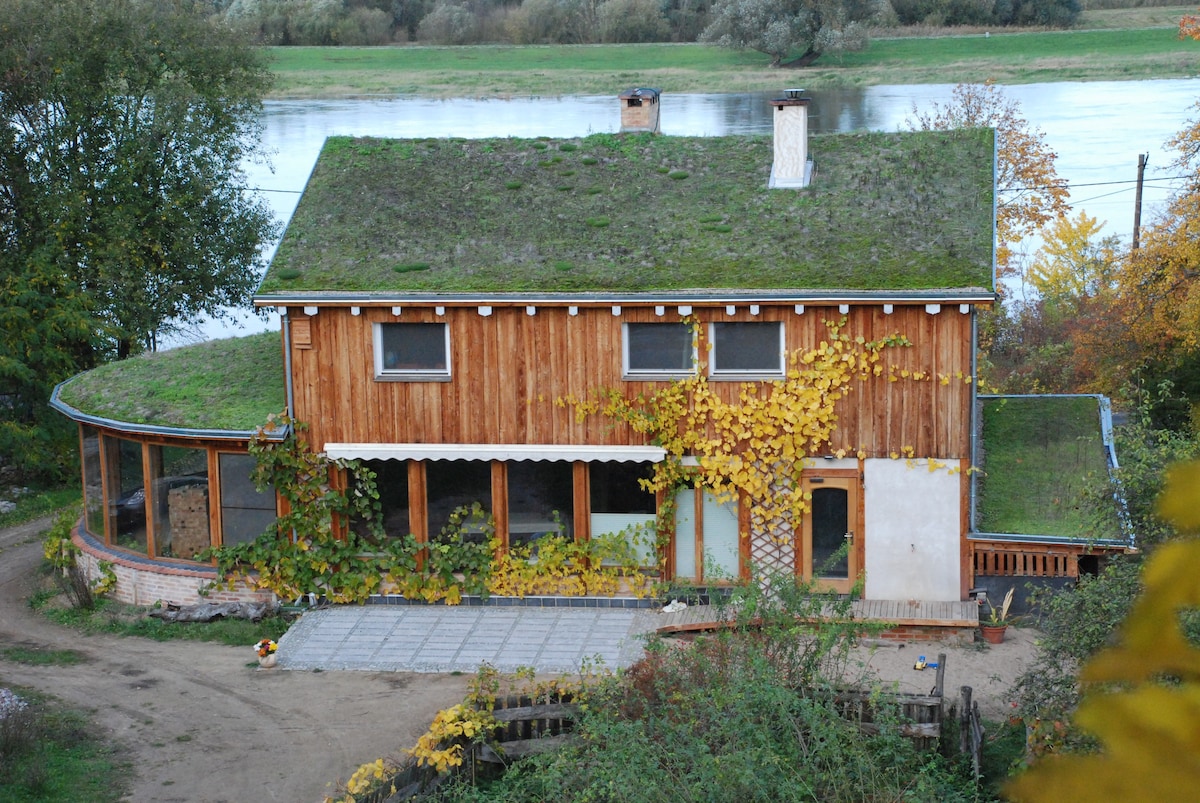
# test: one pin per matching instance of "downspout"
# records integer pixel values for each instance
(974, 417)
(286, 322)
(287, 358)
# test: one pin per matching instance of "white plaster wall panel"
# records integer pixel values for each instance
(912, 523)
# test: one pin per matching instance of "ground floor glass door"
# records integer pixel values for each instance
(828, 550)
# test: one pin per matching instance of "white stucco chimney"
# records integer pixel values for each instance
(792, 167)
(639, 110)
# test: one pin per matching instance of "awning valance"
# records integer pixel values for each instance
(495, 451)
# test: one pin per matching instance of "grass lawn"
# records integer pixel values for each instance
(1040, 453)
(51, 754)
(1117, 48)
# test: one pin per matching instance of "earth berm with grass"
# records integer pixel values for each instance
(200, 723)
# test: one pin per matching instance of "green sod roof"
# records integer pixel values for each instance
(1039, 454)
(231, 384)
(637, 212)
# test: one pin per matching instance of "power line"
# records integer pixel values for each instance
(1069, 185)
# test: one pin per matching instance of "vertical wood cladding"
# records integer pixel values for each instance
(508, 368)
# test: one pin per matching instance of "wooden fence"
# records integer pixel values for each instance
(529, 726)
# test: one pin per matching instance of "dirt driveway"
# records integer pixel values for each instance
(200, 723)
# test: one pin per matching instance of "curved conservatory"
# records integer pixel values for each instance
(166, 472)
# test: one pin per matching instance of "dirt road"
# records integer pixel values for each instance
(201, 723)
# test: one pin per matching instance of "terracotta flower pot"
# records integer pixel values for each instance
(993, 634)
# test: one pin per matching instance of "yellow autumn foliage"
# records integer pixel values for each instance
(756, 447)
(1149, 728)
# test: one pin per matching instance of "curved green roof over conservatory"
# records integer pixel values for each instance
(219, 386)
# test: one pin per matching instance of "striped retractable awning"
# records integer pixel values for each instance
(495, 451)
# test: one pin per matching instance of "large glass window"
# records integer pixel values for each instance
(540, 500)
(412, 351)
(93, 483)
(746, 349)
(179, 493)
(246, 513)
(126, 494)
(658, 349)
(706, 539)
(452, 484)
(619, 504)
(391, 480)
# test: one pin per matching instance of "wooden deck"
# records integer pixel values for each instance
(907, 613)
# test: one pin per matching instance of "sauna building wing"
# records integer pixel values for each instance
(441, 298)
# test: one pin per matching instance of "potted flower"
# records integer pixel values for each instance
(996, 623)
(265, 650)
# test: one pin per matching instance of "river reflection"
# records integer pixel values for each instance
(1097, 129)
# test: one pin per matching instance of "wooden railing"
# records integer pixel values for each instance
(1000, 559)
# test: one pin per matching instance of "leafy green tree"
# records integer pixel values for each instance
(780, 28)
(123, 207)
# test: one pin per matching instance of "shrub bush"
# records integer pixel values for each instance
(447, 24)
(632, 21)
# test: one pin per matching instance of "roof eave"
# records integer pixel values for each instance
(954, 295)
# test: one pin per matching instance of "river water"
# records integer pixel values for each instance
(1097, 130)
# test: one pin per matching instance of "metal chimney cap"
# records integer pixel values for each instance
(793, 94)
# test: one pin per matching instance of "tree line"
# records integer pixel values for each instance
(462, 22)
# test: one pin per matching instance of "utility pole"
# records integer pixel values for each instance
(1137, 202)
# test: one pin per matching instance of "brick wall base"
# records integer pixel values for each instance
(953, 635)
(142, 581)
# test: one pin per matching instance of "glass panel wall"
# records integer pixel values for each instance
(452, 484)
(619, 503)
(685, 535)
(246, 513)
(721, 548)
(541, 500)
(93, 483)
(179, 499)
(391, 480)
(126, 494)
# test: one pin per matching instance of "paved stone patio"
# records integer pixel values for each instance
(440, 638)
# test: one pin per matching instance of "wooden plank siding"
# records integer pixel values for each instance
(509, 367)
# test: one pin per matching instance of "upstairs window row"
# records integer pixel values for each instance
(743, 350)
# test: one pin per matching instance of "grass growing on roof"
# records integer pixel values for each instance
(231, 384)
(897, 211)
(1039, 454)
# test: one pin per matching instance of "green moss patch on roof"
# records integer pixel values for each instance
(904, 211)
(1039, 453)
(231, 384)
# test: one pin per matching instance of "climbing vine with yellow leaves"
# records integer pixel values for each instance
(756, 446)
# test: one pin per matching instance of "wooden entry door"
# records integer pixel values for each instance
(831, 525)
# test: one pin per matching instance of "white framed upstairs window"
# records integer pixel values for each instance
(412, 352)
(658, 350)
(746, 350)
